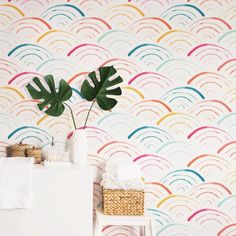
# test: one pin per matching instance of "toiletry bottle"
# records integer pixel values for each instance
(52, 153)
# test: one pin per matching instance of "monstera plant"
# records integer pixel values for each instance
(53, 100)
(101, 89)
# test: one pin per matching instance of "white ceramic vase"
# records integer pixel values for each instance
(79, 146)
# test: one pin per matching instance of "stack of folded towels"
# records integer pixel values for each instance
(120, 174)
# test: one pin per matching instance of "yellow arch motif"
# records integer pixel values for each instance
(14, 7)
(48, 32)
(172, 196)
(15, 90)
(132, 6)
(135, 90)
(41, 120)
(170, 114)
(174, 31)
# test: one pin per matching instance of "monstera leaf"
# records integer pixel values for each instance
(53, 100)
(101, 88)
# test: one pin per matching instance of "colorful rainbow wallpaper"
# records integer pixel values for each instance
(176, 117)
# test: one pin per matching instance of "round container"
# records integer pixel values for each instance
(36, 153)
(18, 150)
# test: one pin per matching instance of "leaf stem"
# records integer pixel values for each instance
(72, 115)
(88, 113)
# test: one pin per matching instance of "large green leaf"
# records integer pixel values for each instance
(52, 99)
(103, 87)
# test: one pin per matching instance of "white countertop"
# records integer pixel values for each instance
(62, 204)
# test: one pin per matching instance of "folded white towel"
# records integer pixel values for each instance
(125, 185)
(132, 184)
(120, 175)
(111, 168)
(15, 182)
(108, 176)
(128, 171)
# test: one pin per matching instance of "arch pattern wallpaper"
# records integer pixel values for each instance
(176, 117)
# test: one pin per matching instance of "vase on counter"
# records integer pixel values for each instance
(78, 146)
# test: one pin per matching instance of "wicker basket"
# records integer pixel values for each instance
(36, 153)
(123, 202)
(18, 150)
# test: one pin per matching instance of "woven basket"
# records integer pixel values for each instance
(18, 150)
(123, 202)
(36, 153)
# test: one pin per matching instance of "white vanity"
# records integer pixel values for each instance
(62, 204)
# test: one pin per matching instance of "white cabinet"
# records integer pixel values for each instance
(62, 204)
